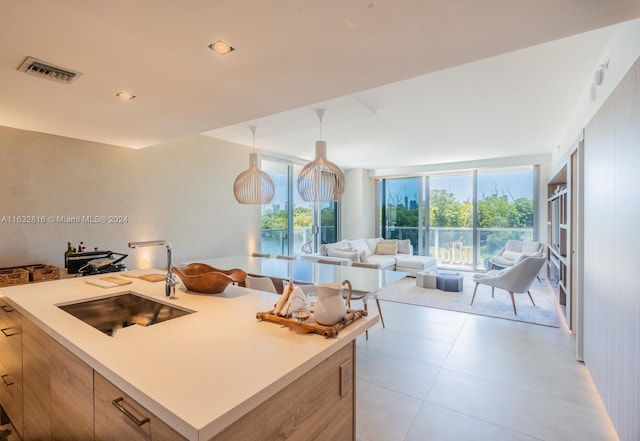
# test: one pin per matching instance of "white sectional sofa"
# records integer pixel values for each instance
(385, 254)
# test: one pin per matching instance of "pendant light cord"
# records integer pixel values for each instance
(253, 131)
(320, 113)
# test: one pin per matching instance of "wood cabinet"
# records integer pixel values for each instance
(119, 417)
(65, 399)
(11, 365)
(58, 390)
(319, 405)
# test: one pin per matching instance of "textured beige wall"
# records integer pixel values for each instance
(180, 192)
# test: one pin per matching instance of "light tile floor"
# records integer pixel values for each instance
(440, 375)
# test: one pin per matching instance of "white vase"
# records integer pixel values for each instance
(330, 307)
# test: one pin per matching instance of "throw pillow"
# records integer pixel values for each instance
(327, 247)
(353, 255)
(343, 249)
(371, 243)
(360, 245)
(387, 248)
(511, 255)
(404, 246)
(363, 257)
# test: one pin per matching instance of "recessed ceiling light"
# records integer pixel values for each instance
(221, 47)
(125, 96)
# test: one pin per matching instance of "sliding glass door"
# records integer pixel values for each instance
(451, 220)
(399, 209)
(506, 209)
(288, 222)
(460, 218)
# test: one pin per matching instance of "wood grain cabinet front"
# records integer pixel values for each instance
(118, 417)
(11, 364)
(58, 390)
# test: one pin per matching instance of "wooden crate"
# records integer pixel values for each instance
(13, 276)
(40, 273)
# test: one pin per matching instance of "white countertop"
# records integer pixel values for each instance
(200, 372)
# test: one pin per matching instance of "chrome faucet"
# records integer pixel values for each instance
(170, 289)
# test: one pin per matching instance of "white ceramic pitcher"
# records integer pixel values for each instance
(330, 307)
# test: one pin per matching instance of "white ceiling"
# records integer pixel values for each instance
(404, 82)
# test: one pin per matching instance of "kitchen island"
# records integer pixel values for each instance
(205, 372)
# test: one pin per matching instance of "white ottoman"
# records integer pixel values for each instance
(417, 264)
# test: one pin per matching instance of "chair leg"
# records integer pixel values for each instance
(493, 291)
(364, 301)
(513, 302)
(380, 312)
(534, 303)
(474, 292)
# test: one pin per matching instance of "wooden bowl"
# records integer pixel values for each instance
(202, 278)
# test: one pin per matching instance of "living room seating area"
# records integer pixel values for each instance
(389, 254)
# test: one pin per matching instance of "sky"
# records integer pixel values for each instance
(518, 183)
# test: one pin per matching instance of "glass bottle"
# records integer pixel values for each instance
(67, 254)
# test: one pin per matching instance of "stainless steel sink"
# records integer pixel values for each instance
(121, 310)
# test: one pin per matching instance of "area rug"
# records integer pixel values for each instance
(544, 313)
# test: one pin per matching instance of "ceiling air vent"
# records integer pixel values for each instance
(49, 71)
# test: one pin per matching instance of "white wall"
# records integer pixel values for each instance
(179, 191)
(358, 205)
(621, 52)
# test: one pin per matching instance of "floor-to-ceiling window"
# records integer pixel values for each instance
(460, 218)
(506, 208)
(399, 209)
(450, 226)
(288, 222)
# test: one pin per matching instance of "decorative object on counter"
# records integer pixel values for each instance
(13, 276)
(205, 279)
(296, 299)
(321, 180)
(330, 307)
(40, 273)
(312, 326)
(284, 298)
(253, 186)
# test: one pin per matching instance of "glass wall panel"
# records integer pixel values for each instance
(451, 220)
(505, 209)
(399, 209)
(461, 219)
(275, 216)
(288, 222)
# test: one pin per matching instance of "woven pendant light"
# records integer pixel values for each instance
(253, 186)
(321, 180)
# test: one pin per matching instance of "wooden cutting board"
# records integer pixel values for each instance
(153, 277)
(108, 282)
(149, 277)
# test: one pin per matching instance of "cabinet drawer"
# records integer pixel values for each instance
(118, 417)
(11, 364)
(11, 397)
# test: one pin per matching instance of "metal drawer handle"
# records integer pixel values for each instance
(7, 334)
(7, 308)
(6, 383)
(118, 403)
